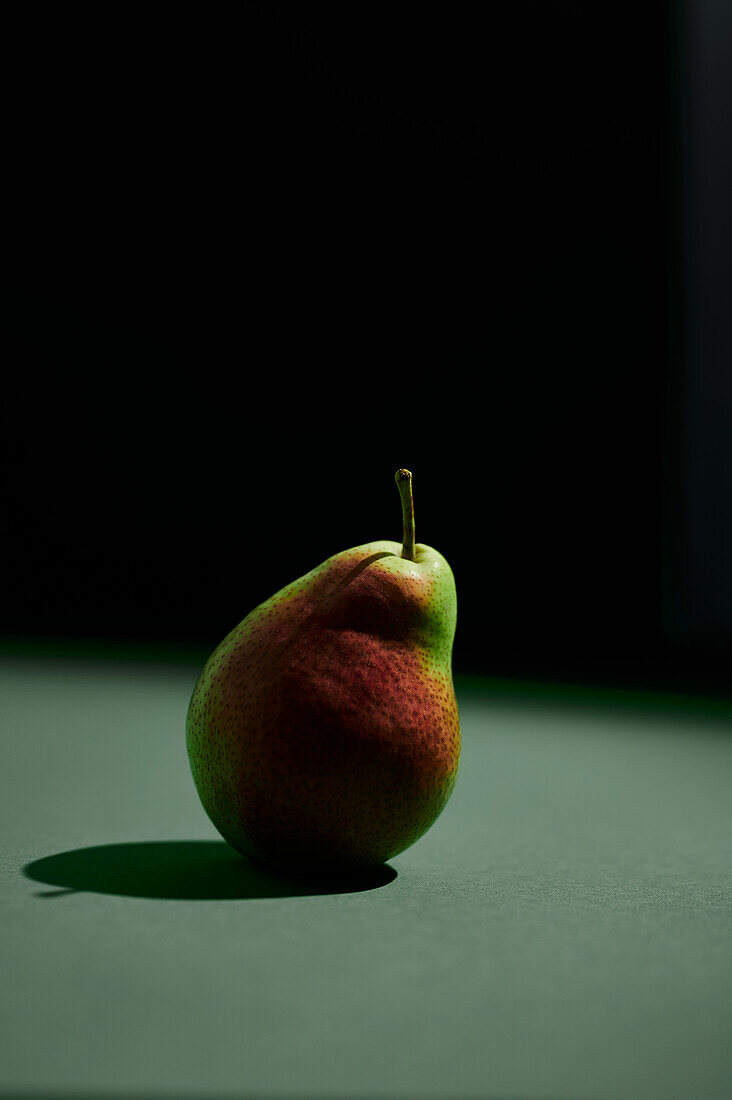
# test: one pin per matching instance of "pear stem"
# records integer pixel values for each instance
(403, 479)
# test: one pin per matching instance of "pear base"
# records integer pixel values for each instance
(356, 876)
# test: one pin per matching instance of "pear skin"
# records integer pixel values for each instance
(324, 732)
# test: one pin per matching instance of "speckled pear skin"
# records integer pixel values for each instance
(324, 731)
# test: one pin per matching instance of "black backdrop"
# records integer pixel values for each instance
(270, 253)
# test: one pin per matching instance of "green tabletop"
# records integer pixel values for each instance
(563, 931)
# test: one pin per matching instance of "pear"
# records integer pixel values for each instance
(323, 732)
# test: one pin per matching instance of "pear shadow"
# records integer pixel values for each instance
(186, 870)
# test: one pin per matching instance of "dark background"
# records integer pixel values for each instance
(268, 254)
